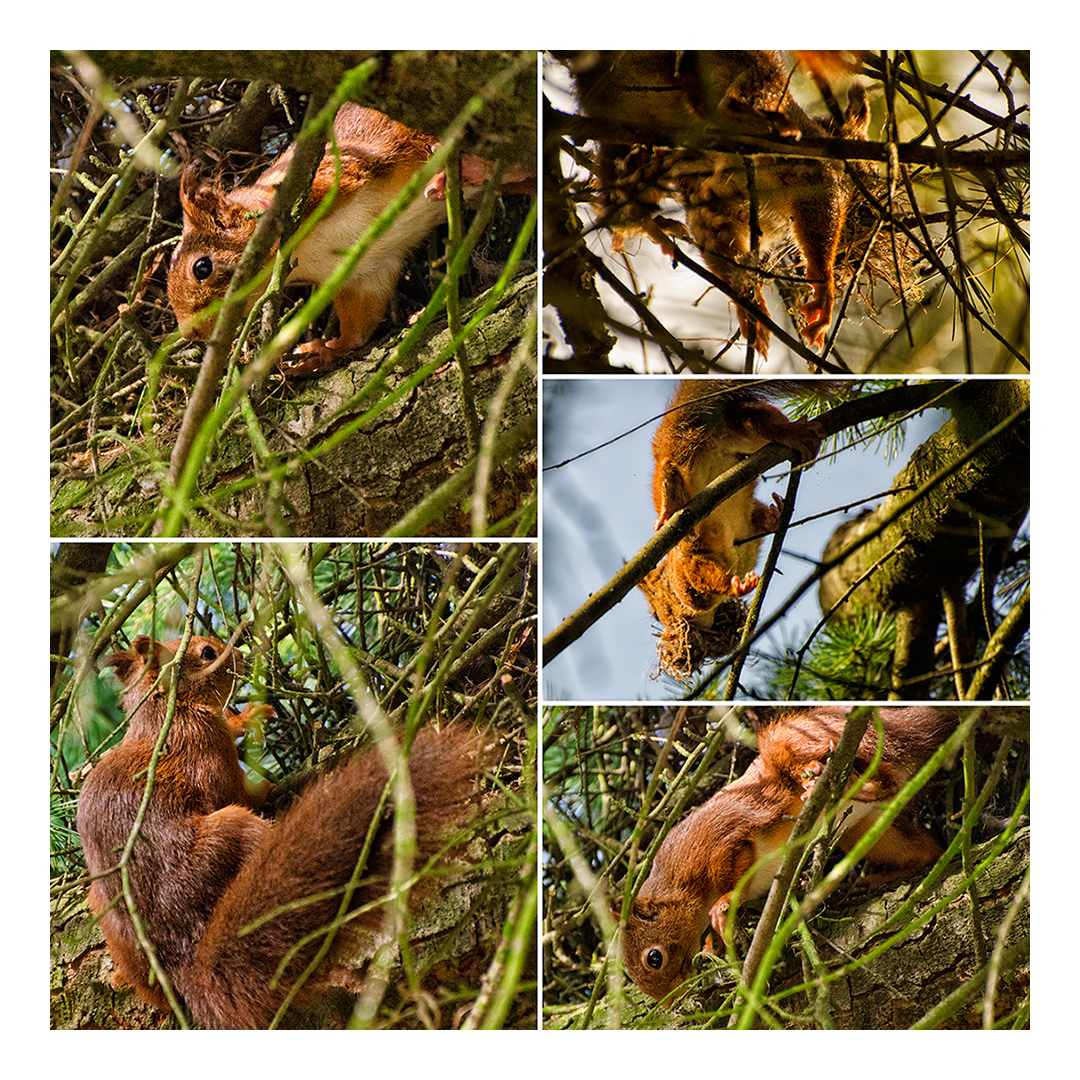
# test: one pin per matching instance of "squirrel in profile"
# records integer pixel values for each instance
(706, 855)
(205, 865)
(377, 156)
(740, 208)
(711, 425)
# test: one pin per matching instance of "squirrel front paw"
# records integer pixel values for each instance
(251, 714)
(718, 922)
(770, 515)
(747, 585)
(811, 771)
(310, 358)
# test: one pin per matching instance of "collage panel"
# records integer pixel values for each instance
(260, 692)
(673, 835)
(760, 212)
(373, 375)
(903, 529)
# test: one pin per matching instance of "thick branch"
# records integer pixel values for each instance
(582, 128)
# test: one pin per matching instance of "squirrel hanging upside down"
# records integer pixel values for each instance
(707, 854)
(712, 425)
(739, 207)
(231, 904)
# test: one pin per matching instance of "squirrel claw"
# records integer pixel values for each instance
(310, 358)
(747, 585)
(818, 314)
(811, 771)
(772, 514)
(718, 922)
(260, 711)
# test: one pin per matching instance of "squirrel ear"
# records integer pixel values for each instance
(195, 197)
(645, 910)
(670, 489)
(207, 209)
(129, 663)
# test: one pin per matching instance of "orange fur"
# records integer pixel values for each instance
(377, 158)
(706, 855)
(677, 102)
(711, 426)
(205, 866)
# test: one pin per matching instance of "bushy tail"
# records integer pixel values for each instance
(314, 849)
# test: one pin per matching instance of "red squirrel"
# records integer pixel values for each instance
(377, 158)
(672, 100)
(205, 865)
(706, 855)
(710, 427)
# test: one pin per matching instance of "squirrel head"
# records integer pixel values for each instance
(206, 676)
(662, 938)
(216, 230)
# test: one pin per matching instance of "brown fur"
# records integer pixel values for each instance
(704, 857)
(711, 426)
(377, 158)
(205, 865)
(673, 100)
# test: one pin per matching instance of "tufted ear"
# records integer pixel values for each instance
(647, 910)
(670, 492)
(207, 209)
(130, 663)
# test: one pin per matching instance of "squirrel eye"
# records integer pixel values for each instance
(202, 268)
(654, 958)
(208, 653)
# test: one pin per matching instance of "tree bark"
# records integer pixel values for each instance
(904, 984)
(937, 539)
(910, 560)
(360, 485)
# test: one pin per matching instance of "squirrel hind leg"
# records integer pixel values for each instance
(818, 315)
(816, 225)
(360, 307)
(130, 966)
(902, 849)
(755, 333)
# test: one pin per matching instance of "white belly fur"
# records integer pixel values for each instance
(852, 815)
(318, 256)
